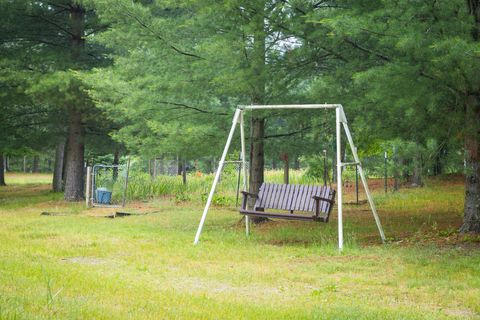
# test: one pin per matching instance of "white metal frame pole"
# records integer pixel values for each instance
(244, 167)
(364, 181)
(338, 120)
(217, 175)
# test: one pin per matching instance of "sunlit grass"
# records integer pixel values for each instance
(27, 178)
(145, 267)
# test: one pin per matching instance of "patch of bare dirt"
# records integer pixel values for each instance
(440, 238)
(85, 260)
(463, 313)
(135, 208)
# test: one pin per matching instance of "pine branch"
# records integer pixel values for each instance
(289, 134)
(182, 105)
(161, 38)
(53, 23)
(366, 50)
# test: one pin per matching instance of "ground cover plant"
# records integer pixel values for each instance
(78, 266)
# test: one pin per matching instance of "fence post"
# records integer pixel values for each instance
(125, 187)
(385, 180)
(88, 186)
(155, 168)
(325, 173)
(238, 178)
(395, 169)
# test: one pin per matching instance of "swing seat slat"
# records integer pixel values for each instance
(299, 200)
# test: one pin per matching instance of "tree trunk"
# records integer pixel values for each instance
(296, 163)
(471, 218)
(184, 172)
(57, 183)
(116, 161)
(404, 164)
(286, 168)
(257, 159)
(179, 166)
(274, 164)
(417, 179)
(64, 169)
(213, 165)
(2, 170)
(74, 164)
(75, 157)
(35, 168)
(161, 164)
(396, 173)
(438, 161)
(7, 164)
(258, 82)
(149, 164)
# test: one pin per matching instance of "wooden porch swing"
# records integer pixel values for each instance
(317, 200)
(303, 202)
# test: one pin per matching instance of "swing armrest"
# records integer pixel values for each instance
(317, 206)
(247, 194)
(317, 198)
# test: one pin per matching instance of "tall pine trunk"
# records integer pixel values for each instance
(116, 161)
(57, 183)
(257, 159)
(76, 132)
(417, 177)
(286, 168)
(184, 171)
(438, 161)
(296, 163)
(396, 173)
(257, 132)
(471, 216)
(2, 170)
(36, 161)
(274, 163)
(75, 157)
(179, 166)
(471, 219)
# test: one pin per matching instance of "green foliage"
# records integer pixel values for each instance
(316, 167)
(44, 49)
(163, 77)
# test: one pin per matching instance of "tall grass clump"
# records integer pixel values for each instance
(142, 186)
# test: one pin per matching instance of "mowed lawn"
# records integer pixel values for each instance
(80, 266)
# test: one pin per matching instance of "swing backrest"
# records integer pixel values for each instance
(294, 197)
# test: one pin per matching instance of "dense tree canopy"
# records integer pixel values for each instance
(163, 77)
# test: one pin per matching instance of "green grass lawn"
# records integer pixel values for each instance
(76, 266)
(18, 178)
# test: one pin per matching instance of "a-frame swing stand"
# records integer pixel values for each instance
(340, 121)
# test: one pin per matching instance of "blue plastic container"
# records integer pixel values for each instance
(104, 196)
